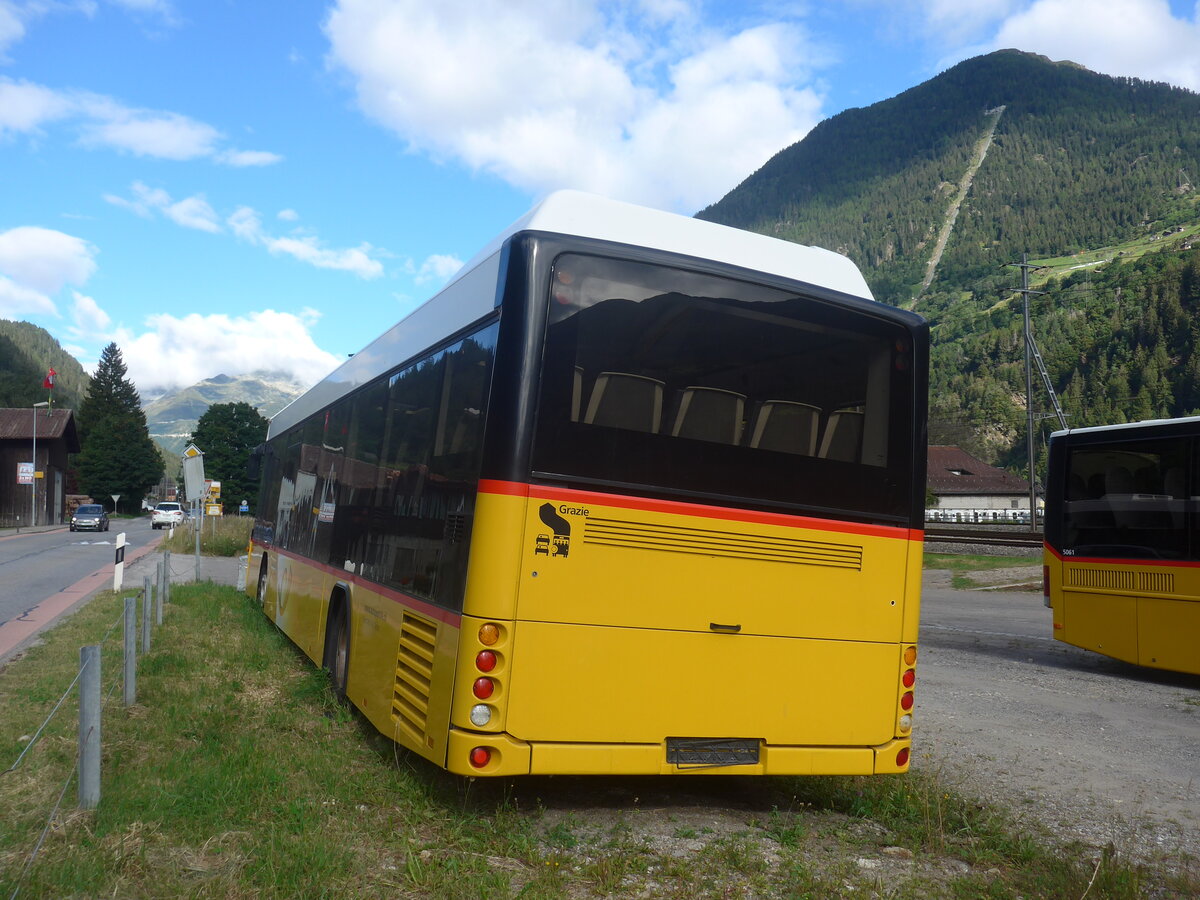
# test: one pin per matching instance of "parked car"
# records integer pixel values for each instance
(89, 517)
(167, 514)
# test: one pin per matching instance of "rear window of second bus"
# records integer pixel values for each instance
(1129, 500)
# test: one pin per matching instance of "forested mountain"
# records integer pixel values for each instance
(935, 192)
(27, 352)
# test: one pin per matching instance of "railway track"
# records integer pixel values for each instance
(996, 537)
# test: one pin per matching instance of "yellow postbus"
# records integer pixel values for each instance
(633, 493)
(1122, 541)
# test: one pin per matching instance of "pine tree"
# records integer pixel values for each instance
(226, 434)
(118, 455)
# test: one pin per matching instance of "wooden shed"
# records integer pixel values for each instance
(56, 437)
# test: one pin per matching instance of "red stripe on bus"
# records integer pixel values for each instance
(422, 606)
(675, 507)
(1124, 560)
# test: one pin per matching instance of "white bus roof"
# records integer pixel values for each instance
(1126, 426)
(470, 293)
(587, 215)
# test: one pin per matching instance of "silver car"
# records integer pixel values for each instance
(167, 514)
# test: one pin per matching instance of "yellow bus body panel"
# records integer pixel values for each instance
(635, 685)
(1141, 613)
(638, 568)
(646, 624)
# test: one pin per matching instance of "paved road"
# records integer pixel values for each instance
(46, 573)
(38, 564)
(1097, 749)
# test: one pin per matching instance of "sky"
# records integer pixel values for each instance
(229, 186)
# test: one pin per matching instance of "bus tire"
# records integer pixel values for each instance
(261, 593)
(337, 646)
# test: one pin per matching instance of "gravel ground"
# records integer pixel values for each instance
(1081, 750)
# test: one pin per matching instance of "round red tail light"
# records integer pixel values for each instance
(480, 757)
(909, 677)
(906, 702)
(484, 687)
(485, 660)
(902, 758)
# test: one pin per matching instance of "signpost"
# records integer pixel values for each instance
(193, 488)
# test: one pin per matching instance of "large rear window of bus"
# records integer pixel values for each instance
(1129, 499)
(672, 381)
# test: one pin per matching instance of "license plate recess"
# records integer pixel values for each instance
(713, 751)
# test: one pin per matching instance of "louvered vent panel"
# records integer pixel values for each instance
(1122, 580)
(414, 676)
(705, 542)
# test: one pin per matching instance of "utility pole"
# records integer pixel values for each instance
(1032, 355)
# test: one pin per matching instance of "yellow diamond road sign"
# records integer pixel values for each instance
(192, 450)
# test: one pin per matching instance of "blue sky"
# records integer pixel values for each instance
(223, 186)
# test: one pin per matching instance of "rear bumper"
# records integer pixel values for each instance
(512, 757)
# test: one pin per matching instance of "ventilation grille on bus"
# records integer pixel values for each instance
(1118, 580)
(705, 542)
(414, 676)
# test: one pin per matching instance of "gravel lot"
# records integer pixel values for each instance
(1081, 749)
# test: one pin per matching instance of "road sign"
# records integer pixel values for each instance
(193, 473)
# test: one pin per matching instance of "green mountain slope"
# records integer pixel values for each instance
(27, 352)
(1077, 160)
(936, 191)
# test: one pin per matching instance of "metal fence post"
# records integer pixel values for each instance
(130, 652)
(166, 577)
(158, 601)
(145, 624)
(89, 726)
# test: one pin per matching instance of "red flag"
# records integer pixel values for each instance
(48, 381)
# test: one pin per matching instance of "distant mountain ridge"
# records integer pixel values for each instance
(172, 417)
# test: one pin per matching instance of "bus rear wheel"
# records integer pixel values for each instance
(337, 649)
(261, 593)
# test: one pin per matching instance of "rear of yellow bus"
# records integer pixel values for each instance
(702, 553)
(1120, 563)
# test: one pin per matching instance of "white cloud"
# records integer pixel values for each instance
(573, 95)
(1139, 38)
(176, 351)
(437, 268)
(44, 260)
(18, 301)
(88, 317)
(244, 158)
(191, 212)
(105, 122)
(246, 224)
(12, 29)
(287, 215)
(26, 107)
(163, 135)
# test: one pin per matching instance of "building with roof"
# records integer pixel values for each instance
(53, 433)
(964, 484)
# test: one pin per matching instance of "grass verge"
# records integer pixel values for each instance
(219, 536)
(237, 774)
(964, 566)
